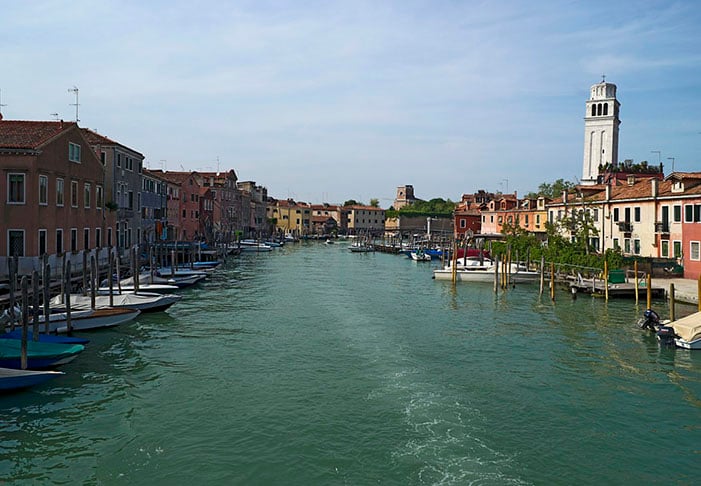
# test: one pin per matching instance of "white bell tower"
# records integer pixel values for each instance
(601, 124)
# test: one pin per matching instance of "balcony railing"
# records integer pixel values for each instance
(625, 227)
(661, 227)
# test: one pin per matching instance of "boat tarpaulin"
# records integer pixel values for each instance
(688, 328)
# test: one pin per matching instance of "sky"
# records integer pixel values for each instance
(325, 101)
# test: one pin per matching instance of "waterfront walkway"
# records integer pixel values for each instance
(685, 289)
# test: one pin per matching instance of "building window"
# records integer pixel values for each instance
(677, 213)
(74, 194)
(15, 188)
(636, 246)
(86, 195)
(694, 251)
(109, 237)
(43, 190)
(59, 241)
(86, 238)
(15, 243)
(688, 213)
(119, 160)
(664, 248)
(98, 237)
(677, 249)
(73, 152)
(99, 197)
(74, 239)
(130, 199)
(636, 215)
(615, 215)
(103, 157)
(616, 244)
(626, 245)
(463, 223)
(59, 192)
(42, 242)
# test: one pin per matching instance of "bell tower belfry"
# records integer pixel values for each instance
(601, 124)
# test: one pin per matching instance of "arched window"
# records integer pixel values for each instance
(606, 109)
(593, 110)
(598, 109)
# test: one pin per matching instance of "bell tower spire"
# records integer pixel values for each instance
(601, 124)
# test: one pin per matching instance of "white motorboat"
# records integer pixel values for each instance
(83, 320)
(420, 256)
(254, 246)
(361, 248)
(476, 270)
(143, 301)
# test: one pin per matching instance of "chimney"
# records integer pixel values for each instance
(608, 192)
(564, 196)
(655, 186)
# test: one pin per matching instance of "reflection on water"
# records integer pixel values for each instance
(315, 365)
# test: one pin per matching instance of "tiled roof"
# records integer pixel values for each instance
(97, 139)
(176, 177)
(20, 134)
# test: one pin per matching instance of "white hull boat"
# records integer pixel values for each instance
(143, 301)
(83, 320)
(474, 270)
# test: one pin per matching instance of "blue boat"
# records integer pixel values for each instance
(11, 379)
(44, 338)
(39, 355)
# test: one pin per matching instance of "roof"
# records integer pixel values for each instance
(176, 177)
(95, 138)
(20, 134)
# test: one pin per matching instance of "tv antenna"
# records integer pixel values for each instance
(1, 103)
(76, 104)
(55, 115)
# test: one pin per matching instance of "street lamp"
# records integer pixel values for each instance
(672, 159)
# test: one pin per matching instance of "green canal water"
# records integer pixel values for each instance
(314, 365)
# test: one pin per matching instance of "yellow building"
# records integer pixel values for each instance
(290, 217)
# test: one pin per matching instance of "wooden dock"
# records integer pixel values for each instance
(625, 290)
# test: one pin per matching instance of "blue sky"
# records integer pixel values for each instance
(329, 101)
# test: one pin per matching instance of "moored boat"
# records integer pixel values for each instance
(14, 379)
(483, 270)
(143, 301)
(39, 355)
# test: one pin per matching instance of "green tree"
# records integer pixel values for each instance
(374, 202)
(553, 190)
(352, 202)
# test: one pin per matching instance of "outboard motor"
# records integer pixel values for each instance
(666, 335)
(650, 320)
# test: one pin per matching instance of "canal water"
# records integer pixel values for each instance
(315, 365)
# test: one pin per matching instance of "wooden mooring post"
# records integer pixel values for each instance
(672, 303)
(25, 324)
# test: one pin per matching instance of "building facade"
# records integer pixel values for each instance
(601, 126)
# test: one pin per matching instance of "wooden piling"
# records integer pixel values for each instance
(109, 280)
(46, 280)
(25, 318)
(698, 294)
(606, 280)
(672, 302)
(84, 292)
(35, 305)
(495, 261)
(552, 281)
(648, 292)
(635, 271)
(12, 271)
(542, 275)
(67, 297)
(93, 280)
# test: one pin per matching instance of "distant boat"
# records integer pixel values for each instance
(13, 379)
(361, 248)
(420, 256)
(39, 355)
(254, 246)
(329, 242)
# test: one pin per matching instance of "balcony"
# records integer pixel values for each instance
(625, 227)
(125, 213)
(662, 228)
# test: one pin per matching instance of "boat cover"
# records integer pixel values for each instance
(688, 328)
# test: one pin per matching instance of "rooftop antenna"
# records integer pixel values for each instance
(1, 104)
(55, 115)
(217, 164)
(163, 164)
(76, 104)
